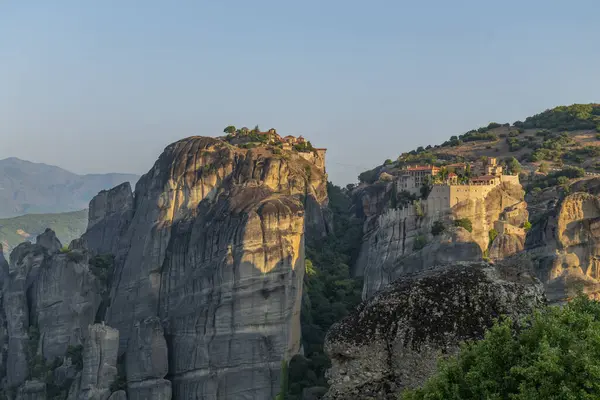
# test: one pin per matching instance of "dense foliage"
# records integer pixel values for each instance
(464, 223)
(330, 291)
(438, 228)
(569, 118)
(556, 178)
(554, 356)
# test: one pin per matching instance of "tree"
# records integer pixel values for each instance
(544, 168)
(464, 223)
(387, 162)
(229, 130)
(514, 167)
(554, 354)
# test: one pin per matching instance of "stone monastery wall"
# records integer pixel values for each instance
(443, 197)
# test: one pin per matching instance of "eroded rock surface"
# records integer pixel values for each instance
(398, 240)
(99, 363)
(214, 248)
(394, 339)
(564, 242)
(109, 215)
(147, 362)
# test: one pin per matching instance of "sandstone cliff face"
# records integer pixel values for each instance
(394, 339)
(391, 245)
(214, 248)
(564, 242)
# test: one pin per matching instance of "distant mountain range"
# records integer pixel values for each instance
(34, 188)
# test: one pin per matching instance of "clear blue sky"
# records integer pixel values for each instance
(98, 86)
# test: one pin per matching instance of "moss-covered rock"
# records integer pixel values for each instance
(394, 339)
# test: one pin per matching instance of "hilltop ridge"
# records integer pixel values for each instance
(553, 139)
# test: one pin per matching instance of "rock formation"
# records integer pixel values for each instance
(147, 362)
(394, 339)
(110, 213)
(99, 363)
(397, 239)
(210, 247)
(564, 242)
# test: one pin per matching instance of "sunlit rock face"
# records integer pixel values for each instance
(564, 243)
(213, 245)
(391, 249)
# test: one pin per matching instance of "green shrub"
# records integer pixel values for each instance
(464, 223)
(527, 226)
(65, 250)
(369, 176)
(553, 355)
(420, 242)
(387, 162)
(438, 228)
(493, 234)
(75, 353)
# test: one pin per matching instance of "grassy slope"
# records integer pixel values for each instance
(581, 122)
(68, 226)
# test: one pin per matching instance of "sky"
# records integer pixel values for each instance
(105, 86)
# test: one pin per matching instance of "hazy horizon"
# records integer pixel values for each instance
(104, 88)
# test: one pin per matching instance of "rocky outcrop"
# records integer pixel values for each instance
(564, 242)
(49, 297)
(213, 245)
(100, 352)
(147, 362)
(110, 213)
(398, 239)
(394, 339)
(510, 231)
(32, 390)
(25, 263)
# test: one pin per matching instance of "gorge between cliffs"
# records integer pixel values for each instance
(240, 272)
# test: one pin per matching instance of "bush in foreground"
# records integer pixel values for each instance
(556, 355)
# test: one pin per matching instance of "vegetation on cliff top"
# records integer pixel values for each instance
(564, 135)
(569, 118)
(555, 355)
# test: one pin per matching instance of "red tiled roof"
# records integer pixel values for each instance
(452, 175)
